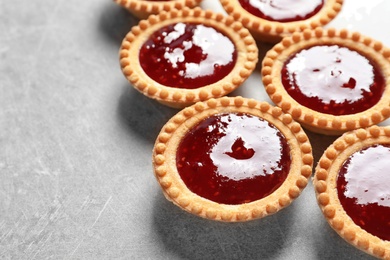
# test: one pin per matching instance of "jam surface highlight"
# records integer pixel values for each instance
(187, 55)
(363, 187)
(332, 79)
(282, 10)
(233, 158)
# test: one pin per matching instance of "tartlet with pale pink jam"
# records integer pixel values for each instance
(269, 21)
(330, 81)
(352, 183)
(232, 159)
(184, 56)
(143, 8)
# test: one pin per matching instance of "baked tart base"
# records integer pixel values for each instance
(319, 122)
(325, 185)
(143, 8)
(174, 188)
(273, 31)
(245, 46)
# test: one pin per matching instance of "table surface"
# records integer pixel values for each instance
(76, 179)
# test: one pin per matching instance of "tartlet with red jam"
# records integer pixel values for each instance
(270, 20)
(143, 8)
(185, 56)
(352, 183)
(232, 159)
(330, 81)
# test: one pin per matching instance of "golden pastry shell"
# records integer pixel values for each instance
(142, 8)
(312, 120)
(326, 190)
(174, 189)
(247, 56)
(271, 31)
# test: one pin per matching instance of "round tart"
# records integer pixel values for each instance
(143, 8)
(330, 81)
(269, 21)
(181, 57)
(352, 184)
(232, 159)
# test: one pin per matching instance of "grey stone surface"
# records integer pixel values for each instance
(76, 179)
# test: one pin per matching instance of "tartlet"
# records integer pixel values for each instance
(167, 72)
(143, 8)
(271, 22)
(331, 81)
(352, 187)
(207, 159)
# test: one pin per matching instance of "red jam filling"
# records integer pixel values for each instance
(283, 10)
(233, 158)
(333, 80)
(187, 55)
(363, 189)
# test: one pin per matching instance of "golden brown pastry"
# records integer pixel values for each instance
(232, 159)
(143, 8)
(331, 81)
(176, 57)
(352, 185)
(269, 21)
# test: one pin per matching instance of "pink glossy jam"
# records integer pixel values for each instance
(283, 10)
(333, 80)
(187, 55)
(363, 187)
(233, 158)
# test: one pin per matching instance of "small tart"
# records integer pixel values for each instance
(330, 81)
(232, 159)
(352, 187)
(143, 8)
(185, 56)
(269, 21)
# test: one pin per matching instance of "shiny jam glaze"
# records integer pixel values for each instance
(282, 10)
(333, 80)
(363, 187)
(233, 158)
(187, 55)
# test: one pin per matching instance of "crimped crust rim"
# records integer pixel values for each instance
(265, 30)
(324, 181)
(247, 56)
(164, 162)
(143, 9)
(320, 122)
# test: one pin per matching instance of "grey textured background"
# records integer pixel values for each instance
(76, 179)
